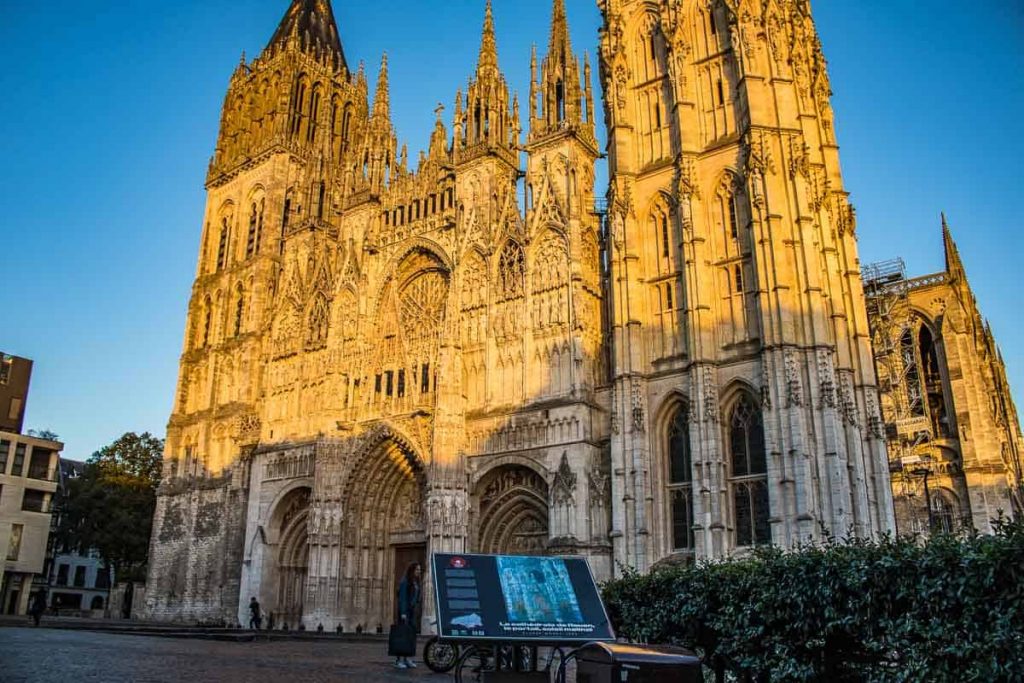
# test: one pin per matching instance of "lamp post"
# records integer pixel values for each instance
(925, 472)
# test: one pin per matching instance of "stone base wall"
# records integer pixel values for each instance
(196, 551)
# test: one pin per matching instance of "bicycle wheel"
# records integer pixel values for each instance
(440, 656)
(474, 664)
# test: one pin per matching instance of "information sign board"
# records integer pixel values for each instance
(518, 597)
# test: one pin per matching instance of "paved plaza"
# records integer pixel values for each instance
(29, 655)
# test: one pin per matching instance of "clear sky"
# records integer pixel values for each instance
(109, 115)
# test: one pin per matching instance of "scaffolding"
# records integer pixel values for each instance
(899, 378)
(886, 291)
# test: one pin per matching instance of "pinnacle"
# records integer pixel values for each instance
(954, 266)
(559, 30)
(488, 43)
(382, 99)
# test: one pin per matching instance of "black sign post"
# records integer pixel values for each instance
(518, 598)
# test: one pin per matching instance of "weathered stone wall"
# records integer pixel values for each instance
(196, 551)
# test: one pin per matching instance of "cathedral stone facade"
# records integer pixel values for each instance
(953, 435)
(467, 352)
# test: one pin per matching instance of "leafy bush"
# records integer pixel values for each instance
(947, 608)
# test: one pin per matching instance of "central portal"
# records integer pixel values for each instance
(382, 532)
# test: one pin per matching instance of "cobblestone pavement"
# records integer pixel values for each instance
(29, 655)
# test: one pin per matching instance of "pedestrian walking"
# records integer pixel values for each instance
(255, 615)
(37, 606)
(402, 640)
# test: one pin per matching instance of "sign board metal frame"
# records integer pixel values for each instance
(576, 592)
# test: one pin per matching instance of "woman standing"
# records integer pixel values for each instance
(408, 603)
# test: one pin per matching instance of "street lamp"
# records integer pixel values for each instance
(925, 472)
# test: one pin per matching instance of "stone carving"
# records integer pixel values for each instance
(563, 488)
(710, 391)
(637, 404)
(794, 387)
(826, 379)
(766, 383)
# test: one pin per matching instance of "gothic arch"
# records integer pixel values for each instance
(382, 504)
(418, 244)
(675, 472)
(275, 506)
(509, 460)
(734, 390)
(284, 581)
(512, 502)
(746, 460)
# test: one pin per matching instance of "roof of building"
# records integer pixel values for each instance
(312, 21)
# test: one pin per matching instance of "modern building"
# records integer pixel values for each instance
(77, 582)
(15, 375)
(953, 435)
(386, 357)
(28, 482)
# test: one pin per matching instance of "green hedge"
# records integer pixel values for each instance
(949, 608)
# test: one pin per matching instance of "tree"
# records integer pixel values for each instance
(47, 434)
(133, 456)
(110, 507)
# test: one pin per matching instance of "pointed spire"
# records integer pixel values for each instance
(559, 31)
(488, 43)
(954, 266)
(313, 21)
(438, 138)
(588, 90)
(382, 99)
(533, 85)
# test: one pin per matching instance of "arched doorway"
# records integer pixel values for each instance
(513, 504)
(287, 582)
(382, 531)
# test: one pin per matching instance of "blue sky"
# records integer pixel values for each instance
(111, 110)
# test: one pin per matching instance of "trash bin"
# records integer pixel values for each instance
(622, 663)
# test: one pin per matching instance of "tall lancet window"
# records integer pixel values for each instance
(239, 309)
(748, 470)
(680, 479)
(252, 245)
(729, 214)
(222, 247)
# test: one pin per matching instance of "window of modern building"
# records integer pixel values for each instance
(19, 460)
(80, 577)
(6, 364)
(62, 574)
(5, 451)
(33, 501)
(14, 547)
(15, 410)
(39, 463)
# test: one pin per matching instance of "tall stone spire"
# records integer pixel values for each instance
(559, 43)
(561, 97)
(954, 266)
(488, 44)
(488, 119)
(382, 98)
(312, 22)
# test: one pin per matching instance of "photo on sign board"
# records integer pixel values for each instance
(538, 590)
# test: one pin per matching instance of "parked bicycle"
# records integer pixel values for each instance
(440, 655)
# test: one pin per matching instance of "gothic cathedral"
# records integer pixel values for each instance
(466, 352)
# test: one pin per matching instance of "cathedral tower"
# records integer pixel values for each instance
(384, 357)
(954, 440)
(744, 392)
